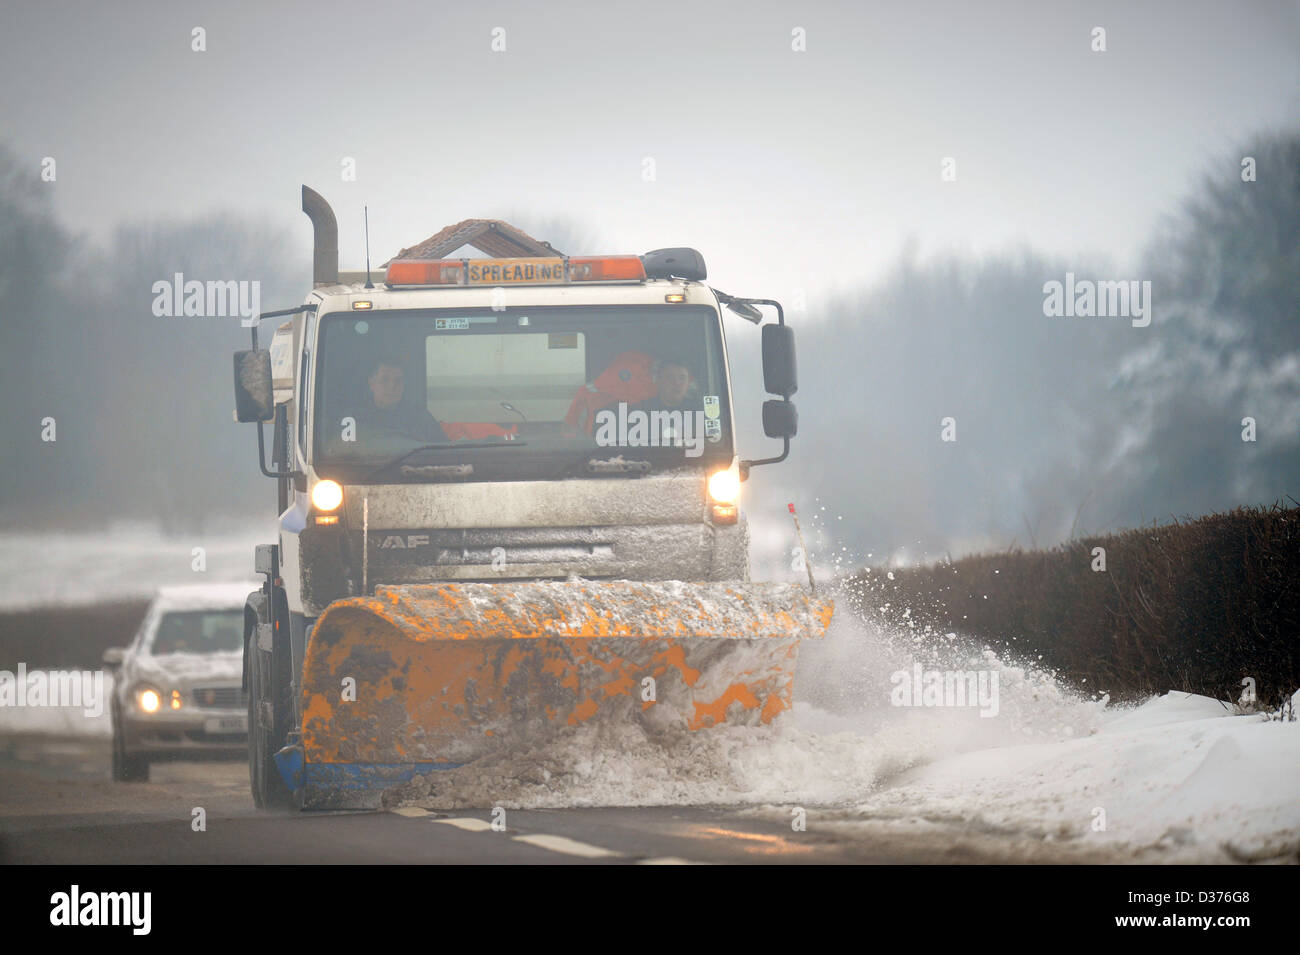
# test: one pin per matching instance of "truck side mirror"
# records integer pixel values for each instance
(254, 396)
(780, 419)
(779, 374)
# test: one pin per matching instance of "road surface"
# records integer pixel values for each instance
(58, 805)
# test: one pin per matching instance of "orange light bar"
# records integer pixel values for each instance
(424, 272)
(607, 268)
(538, 271)
(530, 271)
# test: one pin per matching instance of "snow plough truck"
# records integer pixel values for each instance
(509, 503)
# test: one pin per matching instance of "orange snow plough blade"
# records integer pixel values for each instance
(423, 677)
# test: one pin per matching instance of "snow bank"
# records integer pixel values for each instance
(1178, 773)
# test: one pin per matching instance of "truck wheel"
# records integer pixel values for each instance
(266, 735)
(126, 768)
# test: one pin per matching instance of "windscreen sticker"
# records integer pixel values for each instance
(712, 407)
(450, 324)
(713, 429)
(562, 340)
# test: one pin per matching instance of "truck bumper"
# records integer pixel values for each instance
(345, 785)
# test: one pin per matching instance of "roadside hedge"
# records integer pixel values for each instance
(1194, 605)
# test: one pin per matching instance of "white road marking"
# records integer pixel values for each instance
(668, 860)
(469, 825)
(541, 840)
(568, 846)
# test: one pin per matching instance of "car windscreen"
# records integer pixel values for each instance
(206, 631)
(501, 390)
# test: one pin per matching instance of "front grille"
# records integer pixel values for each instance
(483, 546)
(198, 736)
(219, 697)
(548, 553)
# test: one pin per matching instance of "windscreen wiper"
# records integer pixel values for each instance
(443, 472)
(599, 466)
(439, 447)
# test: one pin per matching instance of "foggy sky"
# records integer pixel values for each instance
(789, 170)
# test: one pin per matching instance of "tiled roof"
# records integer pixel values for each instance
(498, 239)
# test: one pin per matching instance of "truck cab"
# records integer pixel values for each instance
(464, 434)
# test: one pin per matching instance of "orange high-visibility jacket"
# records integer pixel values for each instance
(629, 377)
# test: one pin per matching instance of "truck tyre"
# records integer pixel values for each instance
(269, 711)
(126, 768)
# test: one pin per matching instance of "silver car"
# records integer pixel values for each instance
(176, 688)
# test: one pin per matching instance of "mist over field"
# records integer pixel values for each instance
(1064, 426)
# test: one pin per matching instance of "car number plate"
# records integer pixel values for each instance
(226, 724)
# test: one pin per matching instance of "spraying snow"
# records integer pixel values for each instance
(1179, 776)
(840, 742)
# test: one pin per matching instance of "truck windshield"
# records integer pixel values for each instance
(523, 393)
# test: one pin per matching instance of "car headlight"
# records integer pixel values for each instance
(148, 699)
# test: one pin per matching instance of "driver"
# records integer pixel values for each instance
(224, 638)
(387, 413)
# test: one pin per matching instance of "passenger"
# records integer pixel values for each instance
(672, 384)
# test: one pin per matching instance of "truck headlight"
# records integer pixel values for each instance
(724, 492)
(724, 486)
(326, 495)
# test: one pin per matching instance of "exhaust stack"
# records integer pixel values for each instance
(325, 238)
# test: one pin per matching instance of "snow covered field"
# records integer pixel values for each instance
(125, 562)
(89, 719)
